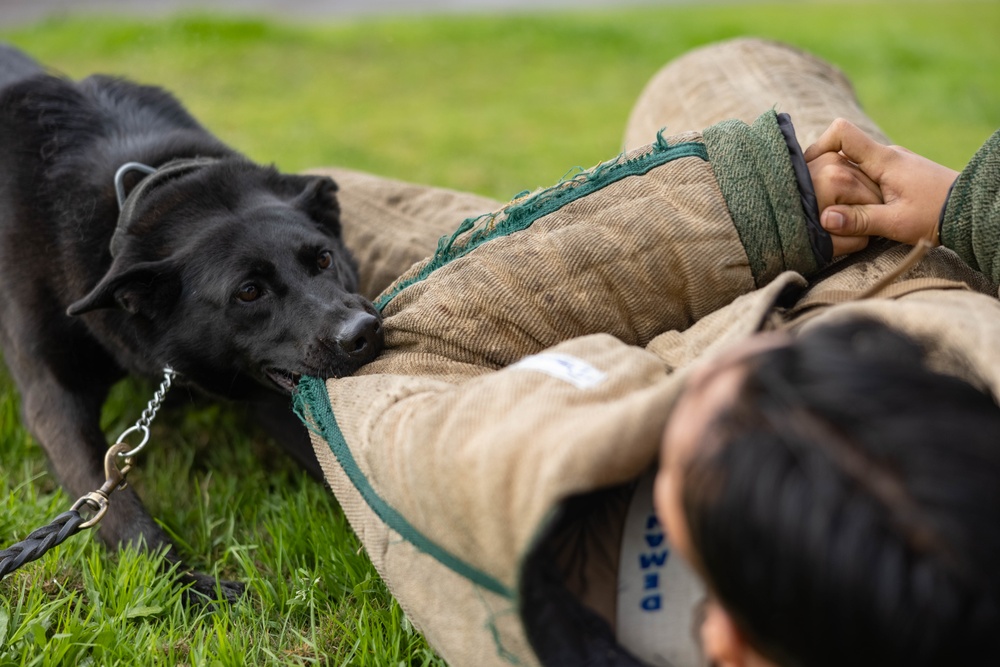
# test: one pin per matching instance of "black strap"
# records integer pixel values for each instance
(39, 542)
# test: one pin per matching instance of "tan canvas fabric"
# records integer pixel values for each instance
(951, 309)
(619, 261)
(468, 624)
(543, 363)
(476, 466)
(433, 429)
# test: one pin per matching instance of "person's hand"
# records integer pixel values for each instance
(914, 190)
(837, 180)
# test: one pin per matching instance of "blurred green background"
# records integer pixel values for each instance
(499, 104)
(490, 104)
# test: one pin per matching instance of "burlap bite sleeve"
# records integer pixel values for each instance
(515, 365)
(648, 242)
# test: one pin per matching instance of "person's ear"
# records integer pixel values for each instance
(723, 643)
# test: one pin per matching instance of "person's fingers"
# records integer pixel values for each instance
(913, 188)
(830, 140)
(845, 245)
(840, 132)
(864, 191)
(837, 180)
(846, 138)
(849, 185)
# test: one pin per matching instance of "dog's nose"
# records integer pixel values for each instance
(361, 337)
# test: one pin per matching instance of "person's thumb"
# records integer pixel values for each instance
(860, 220)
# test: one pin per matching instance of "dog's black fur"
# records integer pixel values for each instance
(233, 274)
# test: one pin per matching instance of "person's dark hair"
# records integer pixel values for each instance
(846, 510)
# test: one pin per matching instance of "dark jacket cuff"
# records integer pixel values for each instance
(754, 169)
(819, 238)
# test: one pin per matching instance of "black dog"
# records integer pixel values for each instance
(231, 273)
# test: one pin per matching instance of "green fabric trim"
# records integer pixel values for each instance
(522, 212)
(312, 397)
(755, 173)
(971, 222)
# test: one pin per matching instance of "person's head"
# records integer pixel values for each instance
(841, 502)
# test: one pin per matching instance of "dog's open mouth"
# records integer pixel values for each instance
(285, 380)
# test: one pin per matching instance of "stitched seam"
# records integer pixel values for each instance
(312, 397)
(525, 210)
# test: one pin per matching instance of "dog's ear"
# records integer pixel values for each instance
(318, 198)
(149, 289)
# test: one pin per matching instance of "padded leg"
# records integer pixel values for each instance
(742, 78)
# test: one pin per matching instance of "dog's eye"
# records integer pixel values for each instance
(248, 292)
(324, 260)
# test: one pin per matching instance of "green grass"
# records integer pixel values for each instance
(494, 105)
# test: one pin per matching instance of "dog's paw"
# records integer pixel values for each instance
(205, 590)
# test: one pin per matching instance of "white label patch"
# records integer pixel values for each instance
(657, 592)
(564, 367)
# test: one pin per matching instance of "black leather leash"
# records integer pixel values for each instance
(69, 523)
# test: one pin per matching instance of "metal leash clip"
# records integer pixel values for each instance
(114, 479)
(114, 476)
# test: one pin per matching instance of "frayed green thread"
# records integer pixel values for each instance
(525, 209)
(304, 396)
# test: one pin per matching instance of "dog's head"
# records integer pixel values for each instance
(234, 269)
